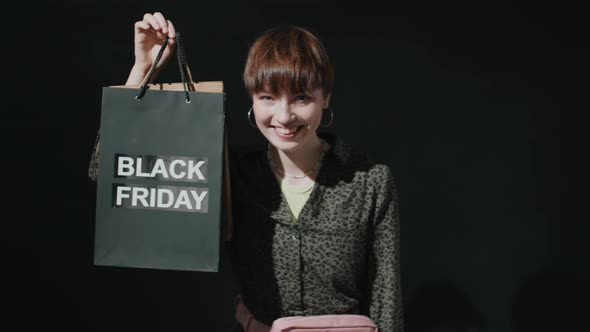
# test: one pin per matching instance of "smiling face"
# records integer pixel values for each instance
(289, 121)
(289, 76)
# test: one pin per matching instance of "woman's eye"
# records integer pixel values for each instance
(265, 97)
(303, 98)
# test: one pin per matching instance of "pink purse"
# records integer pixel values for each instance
(324, 323)
(321, 323)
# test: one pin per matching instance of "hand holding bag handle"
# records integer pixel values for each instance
(185, 74)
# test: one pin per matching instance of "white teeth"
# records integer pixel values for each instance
(286, 131)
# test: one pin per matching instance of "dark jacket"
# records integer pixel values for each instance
(342, 255)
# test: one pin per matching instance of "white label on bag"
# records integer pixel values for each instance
(166, 168)
(170, 198)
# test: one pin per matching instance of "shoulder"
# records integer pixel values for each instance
(352, 159)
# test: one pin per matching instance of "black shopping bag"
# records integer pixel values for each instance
(161, 171)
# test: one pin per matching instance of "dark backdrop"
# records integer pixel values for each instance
(477, 108)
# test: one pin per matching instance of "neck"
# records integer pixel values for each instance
(300, 161)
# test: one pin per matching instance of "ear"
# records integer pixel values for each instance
(327, 101)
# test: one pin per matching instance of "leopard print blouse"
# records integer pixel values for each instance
(342, 255)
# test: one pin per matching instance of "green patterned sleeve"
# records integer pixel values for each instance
(385, 298)
(93, 166)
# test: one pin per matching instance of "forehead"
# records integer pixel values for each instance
(315, 92)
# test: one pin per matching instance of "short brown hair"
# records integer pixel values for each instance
(288, 58)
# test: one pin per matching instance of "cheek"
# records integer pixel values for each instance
(260, 113)
(263, 117)
(314, 118)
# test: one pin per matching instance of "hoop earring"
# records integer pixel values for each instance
(252, 124)
(331, 117)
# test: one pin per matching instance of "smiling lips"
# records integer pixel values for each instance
(287, 132)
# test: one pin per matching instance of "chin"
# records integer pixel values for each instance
(285, 146)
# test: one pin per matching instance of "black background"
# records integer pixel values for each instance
(478, 108)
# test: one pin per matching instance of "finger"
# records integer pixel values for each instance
(142, 26)
(161, 21)
(149, 18)
(171, 30)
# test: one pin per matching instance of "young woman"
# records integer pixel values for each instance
(316, 227)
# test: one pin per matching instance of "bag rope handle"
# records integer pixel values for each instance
(182, 65)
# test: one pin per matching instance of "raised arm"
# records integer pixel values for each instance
(149, 36)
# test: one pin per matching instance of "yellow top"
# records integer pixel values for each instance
(296, 196)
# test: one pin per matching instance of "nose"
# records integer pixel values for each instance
(283, 114)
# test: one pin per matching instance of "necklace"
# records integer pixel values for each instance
(295, 189)
(325, 148)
